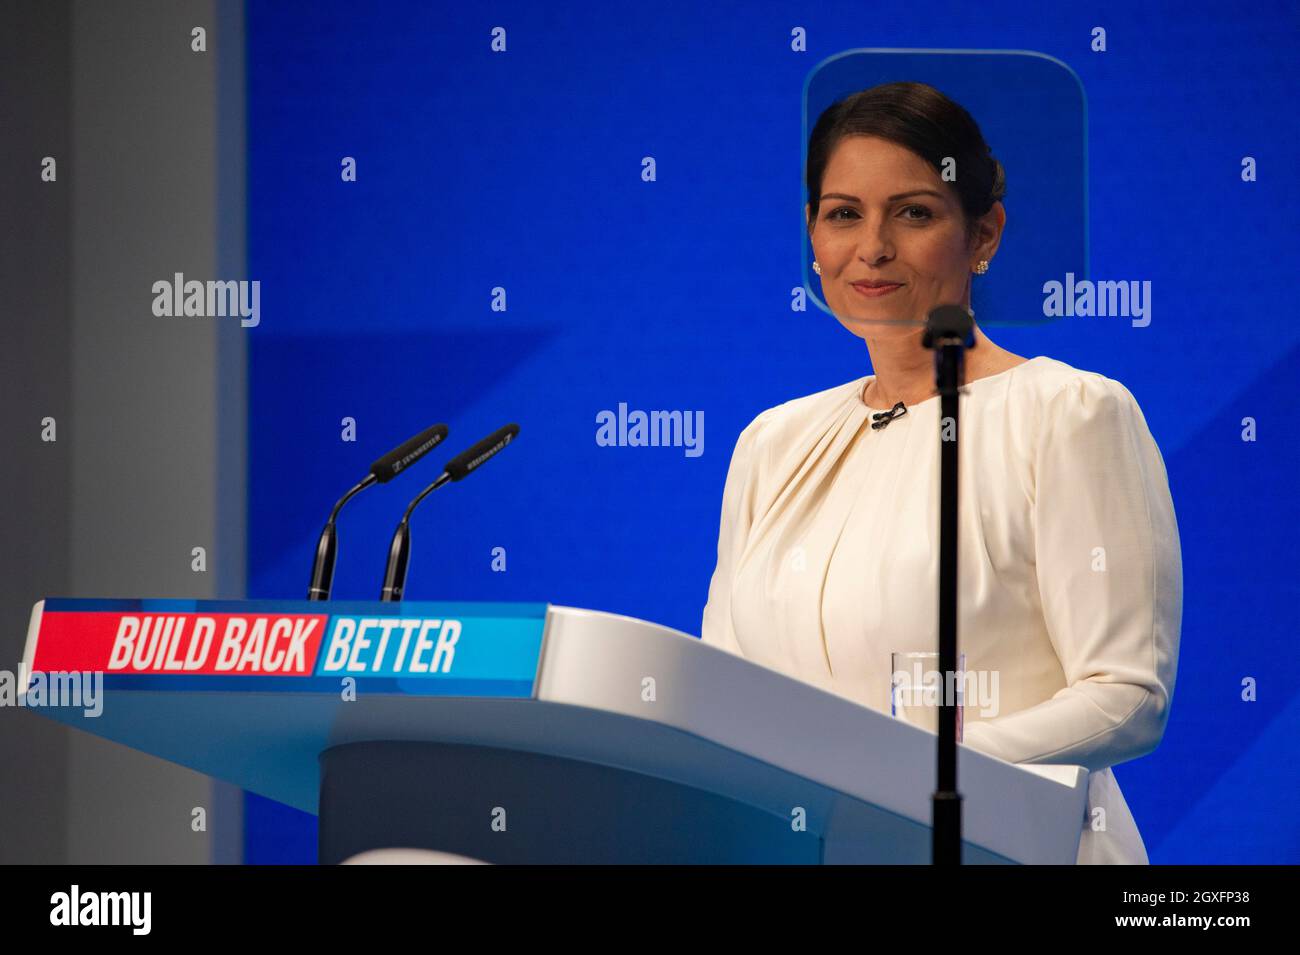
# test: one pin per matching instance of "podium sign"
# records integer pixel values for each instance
(439, 649)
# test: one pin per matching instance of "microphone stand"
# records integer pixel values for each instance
(950, 331)
(399, 551)
(322, 571)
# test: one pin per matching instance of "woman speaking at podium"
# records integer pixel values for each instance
(1070, 574)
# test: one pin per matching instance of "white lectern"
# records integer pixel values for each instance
(515, 732)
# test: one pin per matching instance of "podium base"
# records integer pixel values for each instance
(510, 807)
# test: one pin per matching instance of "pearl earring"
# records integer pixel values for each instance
(817, 267)
(982, 267)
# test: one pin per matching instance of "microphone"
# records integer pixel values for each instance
(457, 469)
(381, 472)
(881, 419)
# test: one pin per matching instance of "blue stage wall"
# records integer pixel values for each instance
(522, 170)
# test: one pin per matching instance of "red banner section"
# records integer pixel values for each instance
(217, 643)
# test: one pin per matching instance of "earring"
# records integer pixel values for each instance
(982, 267)
(817, 267)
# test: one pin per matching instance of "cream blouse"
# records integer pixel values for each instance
(1069, 566)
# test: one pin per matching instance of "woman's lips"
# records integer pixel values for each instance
(875, 291)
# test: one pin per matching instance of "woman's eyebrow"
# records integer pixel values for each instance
(893, 198)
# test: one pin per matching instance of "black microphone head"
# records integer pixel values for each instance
(469, 459)
(946, 322)
(401, 458)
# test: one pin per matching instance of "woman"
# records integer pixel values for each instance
(1070, 573)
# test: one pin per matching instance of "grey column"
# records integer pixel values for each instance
(157, 427)
(150, 411)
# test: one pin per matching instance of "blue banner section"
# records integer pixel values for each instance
(431, 647)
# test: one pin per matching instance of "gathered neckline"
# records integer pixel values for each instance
(862, 386)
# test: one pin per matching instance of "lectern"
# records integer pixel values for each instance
(525, 733)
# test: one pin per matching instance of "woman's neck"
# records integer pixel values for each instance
(904, 368)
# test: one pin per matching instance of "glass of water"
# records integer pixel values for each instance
(915, 686)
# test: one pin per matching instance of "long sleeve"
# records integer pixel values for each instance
(737, 515)
(1109, 572)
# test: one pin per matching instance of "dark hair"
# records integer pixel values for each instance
(920, 118)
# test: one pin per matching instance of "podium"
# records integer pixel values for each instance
(525, 733)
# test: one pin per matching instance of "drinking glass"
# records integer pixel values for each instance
(914, 687)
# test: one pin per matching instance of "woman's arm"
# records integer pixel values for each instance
(737, 516)
(1109, 571)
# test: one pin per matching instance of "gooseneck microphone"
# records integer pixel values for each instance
(458, 468)
(382, 471)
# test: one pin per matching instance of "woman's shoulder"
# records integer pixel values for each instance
(1062, 403)
(798, 415)
(1052, 381)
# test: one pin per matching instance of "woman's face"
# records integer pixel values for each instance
(886, 216)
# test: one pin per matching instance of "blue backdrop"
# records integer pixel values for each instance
(522, 171)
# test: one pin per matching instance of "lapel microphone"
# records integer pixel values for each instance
(882, 418)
